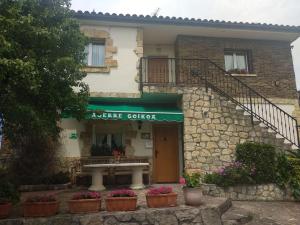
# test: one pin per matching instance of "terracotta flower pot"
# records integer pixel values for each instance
(161, 200)
(120, 203)
(84, 205)
(5, 210)
(192, 196)
(40, 209)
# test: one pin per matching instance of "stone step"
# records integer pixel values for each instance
(263, 221)
(236, 216)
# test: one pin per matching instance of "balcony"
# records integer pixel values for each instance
(160, 71)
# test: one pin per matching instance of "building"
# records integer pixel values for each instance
(182, 93)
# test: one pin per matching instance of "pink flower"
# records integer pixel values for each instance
(123, 193)
(86, 195)
(182, 181)
(160, 190)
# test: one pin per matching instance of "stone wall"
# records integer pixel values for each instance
(271, 61)
(182, 215)
(213, 127)
(266, 192)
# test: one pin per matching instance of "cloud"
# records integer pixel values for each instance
(264, 11)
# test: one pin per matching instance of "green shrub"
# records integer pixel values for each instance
(262, 157)
(192, 180)
(234, 174)
(295, 176)
(8, 192)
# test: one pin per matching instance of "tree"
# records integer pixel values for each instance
(41, 56)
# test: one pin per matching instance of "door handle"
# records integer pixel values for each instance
(156, 152)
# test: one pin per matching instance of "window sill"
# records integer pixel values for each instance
(243, 74)
(96, 69)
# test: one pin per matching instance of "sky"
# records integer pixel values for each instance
(284, 12)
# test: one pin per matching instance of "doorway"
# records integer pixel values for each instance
(158, 70)
(165, 160)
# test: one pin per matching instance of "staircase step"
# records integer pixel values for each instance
(236, 216)
(247, 114)
(238, 108)
(294, 147)
(262, 125)
(271, 131)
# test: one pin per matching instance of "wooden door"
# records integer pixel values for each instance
(166, 162)
(158, 70)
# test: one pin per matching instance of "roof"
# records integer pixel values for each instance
(141, 19)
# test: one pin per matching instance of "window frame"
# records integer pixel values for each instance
(89, 58)
(234, 53)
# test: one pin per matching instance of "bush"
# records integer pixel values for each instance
(191, 180)
(8, 192)
(234, 174)
(58, 178)
(288, 174)
(262, 157)
(35, 160)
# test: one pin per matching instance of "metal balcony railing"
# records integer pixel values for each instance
(203, 72)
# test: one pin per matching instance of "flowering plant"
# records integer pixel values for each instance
(123, 193)
(190, 180)
(233, 174)
(86, 195)
(41, 198)
(160, 190)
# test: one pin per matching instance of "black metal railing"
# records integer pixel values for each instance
(204, 72)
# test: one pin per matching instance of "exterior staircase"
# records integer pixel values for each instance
(261, 110)
(204, 72)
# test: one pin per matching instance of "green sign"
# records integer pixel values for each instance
(73, 136)
(136, 116)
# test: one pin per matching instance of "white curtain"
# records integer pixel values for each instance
(241, 62)
(86, 52)
(229, 65)
(98, 52)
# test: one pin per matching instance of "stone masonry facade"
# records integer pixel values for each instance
(264, 192)
(271, 61)
(213, 127)
(181, 215)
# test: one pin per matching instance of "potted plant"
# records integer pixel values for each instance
(83, 202)
(40, 206)
(8, 196)
(192, 191)
(161, 197)
(121, 200)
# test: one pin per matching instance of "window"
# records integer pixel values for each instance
(95, 54)
(109, 141)
(236, 61)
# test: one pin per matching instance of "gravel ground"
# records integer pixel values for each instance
(284, 213)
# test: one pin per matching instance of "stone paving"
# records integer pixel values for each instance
(282, 213)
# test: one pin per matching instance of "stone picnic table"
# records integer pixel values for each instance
(98, 169)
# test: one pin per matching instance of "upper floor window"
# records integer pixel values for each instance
(236, 61)
(95, 54)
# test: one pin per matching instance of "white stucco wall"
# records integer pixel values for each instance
(159, 50)
(71, 147)
(139, 143)
(122, 78)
